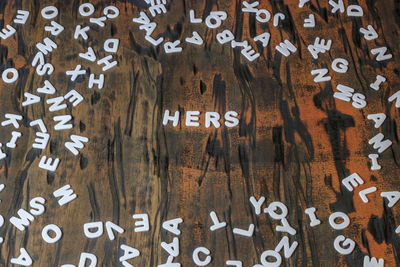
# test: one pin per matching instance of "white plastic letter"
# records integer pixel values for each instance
(5, 75)
(196, 257)
(79, 31)
(47, 47)
(337, 6)
(285, 47)
(14, 138)
(87, 256)
(62, 125)
(340, 65)
(287, 249)
(271, 253)
(12, 119)
(369, 34)
(99, 81)
(89, 55)
(21, 17)
(321, 75)
(372, 262)
(74, 97)
(111, 45)
(363, 193)
(192, 119)
(379, 79)
(24, 259)
(7, 32)
(351, 181)
(174, 119)
(193, 19)
(76, 72)
(217, 17)
(110, 226)
(381, 53)
(346, 242)
(392, 197)
(25, 218)
(339, 226)
(143, 224)
(313, 218)
(77, 142)
(395, 96)
(379, 144)
(48, 163)
(257, 204)
(55, 28)
(113, 14)
(374, 162)
(106, 61)
(66, 194)
(195, 39)
(263, 38)
(54, 228)
(212, 118)
(216, 223)
(86, 9)
(225, 36)
(49, 12)
(249, 232)
(172, 47)
(354, 11)
(172, 226)
(129, 253)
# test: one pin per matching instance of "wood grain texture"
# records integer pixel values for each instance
(295, 142)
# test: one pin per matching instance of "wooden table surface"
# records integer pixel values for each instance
(295, 142)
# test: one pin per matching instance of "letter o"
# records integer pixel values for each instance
(84, 7)
(6, 73)
(271, 253)
(340, 226)
(49, 12)
(114, 12)
(260, 18)
(273, 207)
(55, 229)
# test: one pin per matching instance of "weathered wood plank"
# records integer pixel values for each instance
(294, 144)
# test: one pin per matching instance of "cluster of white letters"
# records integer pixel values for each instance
(337, 220)
(57, 103)
(213, 21)
(346, 93)
(202, 256)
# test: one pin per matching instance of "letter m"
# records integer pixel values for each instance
(23, 221)
(345, 93)
(372, 262)
(47, 46)
(378, 144)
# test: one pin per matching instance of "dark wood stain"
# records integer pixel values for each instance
(294, 143)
